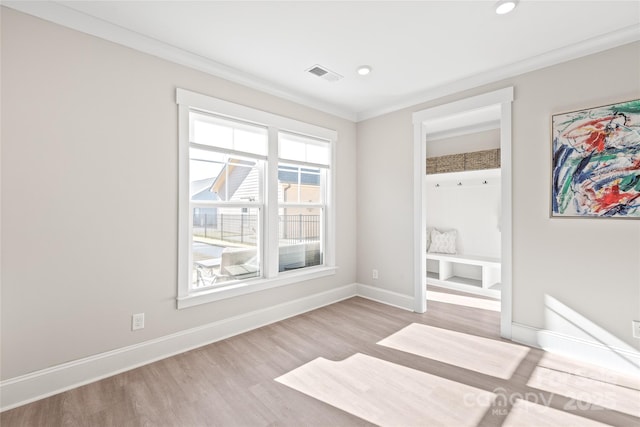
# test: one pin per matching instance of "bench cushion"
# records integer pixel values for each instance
(443, 242)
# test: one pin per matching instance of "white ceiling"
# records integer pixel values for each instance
(419, 50)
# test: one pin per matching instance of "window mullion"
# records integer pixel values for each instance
(299, 195)
(209, 204)
(328, 198)
(301, 205)
(214, 149)
(271, 207)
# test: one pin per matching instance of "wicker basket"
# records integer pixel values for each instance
(486, 159)
(450, 163)
(432, 165)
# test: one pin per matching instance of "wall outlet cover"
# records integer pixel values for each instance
(137, 321)
(636, 328)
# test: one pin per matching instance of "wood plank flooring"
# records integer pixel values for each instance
(232, 382)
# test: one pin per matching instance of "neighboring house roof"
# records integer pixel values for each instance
(236, 176)
(201, 190)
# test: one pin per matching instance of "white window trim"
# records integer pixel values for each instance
(187, 100)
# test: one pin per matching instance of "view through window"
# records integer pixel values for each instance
(245, 223)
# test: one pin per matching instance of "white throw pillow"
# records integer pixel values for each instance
(443, 242)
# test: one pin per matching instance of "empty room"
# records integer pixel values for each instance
(322, 213)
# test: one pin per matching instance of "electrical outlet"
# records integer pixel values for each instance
(636, 328)
(137, 321)
(374, 273)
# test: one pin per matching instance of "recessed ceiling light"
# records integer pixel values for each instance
(505, 6)
(363, 70)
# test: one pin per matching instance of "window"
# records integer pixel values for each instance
(302, 167)
(255, 207)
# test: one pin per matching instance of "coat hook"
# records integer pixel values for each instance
(459, 183)
(485, 181)
(437, 185)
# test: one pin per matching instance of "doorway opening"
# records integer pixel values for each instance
(483, 113)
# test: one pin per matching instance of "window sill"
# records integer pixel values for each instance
(251, 286)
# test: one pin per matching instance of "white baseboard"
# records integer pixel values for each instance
(384, 296)
(596, 353)
(46, 382)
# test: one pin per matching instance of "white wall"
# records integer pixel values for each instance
(472, 209)
(89, 195)
(385, 202)
(485, 140)
(591, 266)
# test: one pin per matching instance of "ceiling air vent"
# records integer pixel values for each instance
(324, 73)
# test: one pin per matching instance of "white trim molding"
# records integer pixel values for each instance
(584, 48)
(266, 206)
(37, 385)
(499, 102)
(387, 297)
(596, 353)
(62, 15)
(27, 388)
(68, 17)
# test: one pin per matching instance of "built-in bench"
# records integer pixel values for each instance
(490, 267)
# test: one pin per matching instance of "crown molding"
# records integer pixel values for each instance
(71, 18)
(587, 47)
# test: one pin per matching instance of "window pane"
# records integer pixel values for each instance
(228, 134)
(303, 149)
(251, 141)
(204, 168)
(300, 238)
(207, 133)
(318, 153)
(222, 177)
(299, 184)
(291, 150)
(225, 242)
(243, 180)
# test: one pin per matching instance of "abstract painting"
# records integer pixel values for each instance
(596, 162)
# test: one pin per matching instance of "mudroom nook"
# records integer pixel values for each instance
(463, 212)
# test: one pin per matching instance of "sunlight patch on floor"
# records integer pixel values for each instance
(486, 356)
(524, 413)
(587, 386)
(481, 303)
(388, 394)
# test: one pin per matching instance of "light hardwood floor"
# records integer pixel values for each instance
(233, 382)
